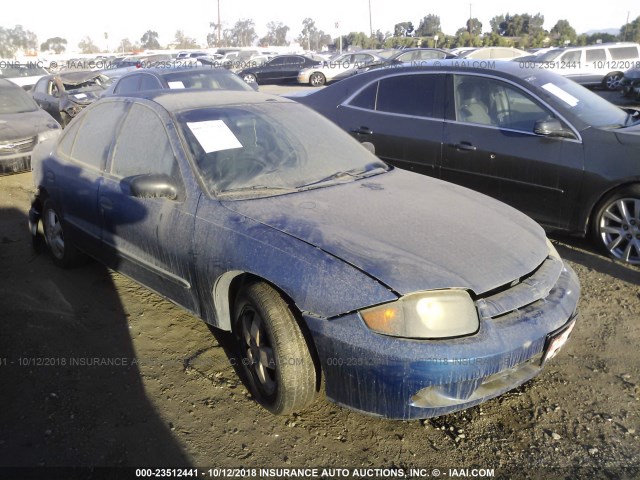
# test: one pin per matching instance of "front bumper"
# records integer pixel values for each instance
(303, 77)
(408, 379)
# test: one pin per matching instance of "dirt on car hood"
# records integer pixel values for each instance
(410, 232)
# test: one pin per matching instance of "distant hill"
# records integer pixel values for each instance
(611, 31)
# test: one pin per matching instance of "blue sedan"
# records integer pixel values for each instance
(404, 296)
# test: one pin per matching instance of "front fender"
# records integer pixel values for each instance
(228, 244)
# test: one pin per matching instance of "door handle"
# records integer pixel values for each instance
(362, 131)
(464, 146)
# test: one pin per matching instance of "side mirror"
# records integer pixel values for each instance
(153, 185)
(551, 127)
(369, 146)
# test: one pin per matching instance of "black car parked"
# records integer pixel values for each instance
(531, 138)
(280, 69)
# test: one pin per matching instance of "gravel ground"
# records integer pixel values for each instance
(97, 371)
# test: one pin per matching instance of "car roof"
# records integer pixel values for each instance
(4, 83)
(179, 100)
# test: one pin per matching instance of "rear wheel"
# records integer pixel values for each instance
(612, 81)
(317, 79)
(62, 250)
(273, 350)
(616, 224)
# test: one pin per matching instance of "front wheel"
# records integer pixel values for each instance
(317, 79)
(274, 353)
(616, 224)
(62, 250)
(612, 81)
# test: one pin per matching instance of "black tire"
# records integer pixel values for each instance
(615, 226)
(249, 78)
(317, 79)
(612, 80)
(272, 348)
(62, 250)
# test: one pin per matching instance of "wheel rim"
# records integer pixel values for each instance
(620, 229)
(54, 234)
(249, 78)
(613, 81)
(258, 355)
(316, 80)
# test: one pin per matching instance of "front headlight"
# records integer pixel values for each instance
(434, 314)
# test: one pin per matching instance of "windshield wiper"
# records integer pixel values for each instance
(256, 189)
(346, 174)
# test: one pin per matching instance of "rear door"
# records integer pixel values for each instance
(402, 115)
(490, 147)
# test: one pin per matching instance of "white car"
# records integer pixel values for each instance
(328, 70)
(24, 75)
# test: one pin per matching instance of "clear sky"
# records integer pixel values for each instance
(131, 18)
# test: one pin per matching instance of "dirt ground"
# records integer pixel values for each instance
(97, 371)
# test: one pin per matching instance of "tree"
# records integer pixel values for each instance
(631, 31)
(563, 32)
(404, 29)
(126, 45)
(517, 25)
(602, 37)
(276, 35)
(474, 26)
(57, 44)
(149, 40)
(243, 33)
(311, 38)
(86, 45)
(429, 26)
(14, 39)
(182, 42)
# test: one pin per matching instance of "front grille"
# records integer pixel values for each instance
(529, 290)
(13, 147)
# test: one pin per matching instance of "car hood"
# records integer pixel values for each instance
(21, 125)
(410, 232)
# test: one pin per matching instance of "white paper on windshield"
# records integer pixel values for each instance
(214, 135)
(80, 96)
(561, 94)
(177, 84)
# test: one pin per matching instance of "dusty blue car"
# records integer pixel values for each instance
(404, 296)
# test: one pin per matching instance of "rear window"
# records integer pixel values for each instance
(207, 79)
(623, 53)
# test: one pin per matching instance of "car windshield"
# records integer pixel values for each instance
(271, 148)
(206, 78)
(16, 100)
(579, 101)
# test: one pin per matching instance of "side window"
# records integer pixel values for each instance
(572, 56)
(595, 55)
(148, 82)
(96, 134)
(487, 101)
(408, 95)
(277, 61)
(623, 53)
(366, 98)
(128, 84)
(143, 145)
(41, 86)
(67, 138)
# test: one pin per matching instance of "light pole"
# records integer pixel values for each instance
(219, 26)
(370, 24)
